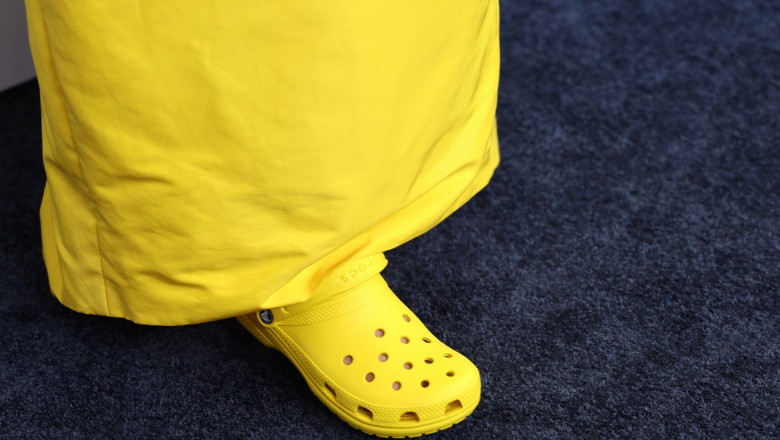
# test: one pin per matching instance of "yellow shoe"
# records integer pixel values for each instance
(368, 358)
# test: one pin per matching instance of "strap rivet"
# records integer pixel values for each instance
(266, 317)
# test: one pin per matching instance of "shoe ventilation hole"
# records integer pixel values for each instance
(453, 406)
(450, 373)
(383, 357)
(330, 390)
(404, 340)
(426, 340)
(408, 365)
(365, 413)
(425, 384)
(429, 361)
(347, 360)
(379, 333)
(370, 377)
(447, 355)
(406, 318)
(409, 417)
(396, 386)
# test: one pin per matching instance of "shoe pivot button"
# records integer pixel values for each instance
(266, 317)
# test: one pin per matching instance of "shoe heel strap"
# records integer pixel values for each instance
(334, 294)
(350, 274)
(336, 305)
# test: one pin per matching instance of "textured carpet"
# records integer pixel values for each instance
(618, 279)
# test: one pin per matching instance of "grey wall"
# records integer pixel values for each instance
(15, 62)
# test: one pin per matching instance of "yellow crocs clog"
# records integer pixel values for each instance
(368, 358)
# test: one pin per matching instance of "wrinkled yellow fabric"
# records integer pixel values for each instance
(208, 158)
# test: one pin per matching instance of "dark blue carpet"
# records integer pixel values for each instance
(618, 279)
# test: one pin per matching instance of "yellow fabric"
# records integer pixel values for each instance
(208, 158)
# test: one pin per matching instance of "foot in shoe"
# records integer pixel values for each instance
(369, 359)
